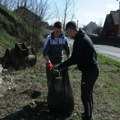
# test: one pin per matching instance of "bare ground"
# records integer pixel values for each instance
(26, 92)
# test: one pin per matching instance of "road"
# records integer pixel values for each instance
(113, 52)
(110, 51)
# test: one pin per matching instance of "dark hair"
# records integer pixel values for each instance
(58, 25)
(71, 25)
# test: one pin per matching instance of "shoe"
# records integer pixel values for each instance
(86, 117)
(83, 116)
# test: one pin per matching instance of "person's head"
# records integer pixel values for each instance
(71, 29)
(57, 29)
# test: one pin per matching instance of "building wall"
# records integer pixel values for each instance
(30, 17)
(109, 29)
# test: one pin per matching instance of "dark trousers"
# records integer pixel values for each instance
(89, 78)
(49, 76)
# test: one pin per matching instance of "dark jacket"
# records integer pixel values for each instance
(83, 54)
(53, 48)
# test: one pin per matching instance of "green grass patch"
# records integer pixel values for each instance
(11, 13)
(6, 39)
(108, 60)
(2, 17)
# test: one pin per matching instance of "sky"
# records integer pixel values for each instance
(91, 10)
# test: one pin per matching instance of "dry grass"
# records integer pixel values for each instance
(18, 100)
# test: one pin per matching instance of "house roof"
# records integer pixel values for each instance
(30, 17)
(115, 16)
(91, 26)
(27, 11)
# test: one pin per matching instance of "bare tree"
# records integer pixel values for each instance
(25, 3)
(1, 1)
(66, 10)
(56, 11)
(67, 6)
(39, 7)
(42, 9)
(11, 4)
(4, 2)
(7, 3)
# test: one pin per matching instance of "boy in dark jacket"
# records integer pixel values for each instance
(84, 55)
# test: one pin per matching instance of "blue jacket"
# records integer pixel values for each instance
(53, 48)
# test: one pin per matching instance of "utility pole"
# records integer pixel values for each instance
(77, 23)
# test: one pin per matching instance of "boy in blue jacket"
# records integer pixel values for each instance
(54, 46)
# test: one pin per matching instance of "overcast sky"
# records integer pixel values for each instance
(92, 10)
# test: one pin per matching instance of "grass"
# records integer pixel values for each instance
(2, 17)
(108, 60)
(11, 13)
(106, 90)
(15, 29)
(7, 40)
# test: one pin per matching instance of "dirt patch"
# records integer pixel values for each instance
(26, 98)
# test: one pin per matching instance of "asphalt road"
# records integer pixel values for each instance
(113, 52)
(110, 51)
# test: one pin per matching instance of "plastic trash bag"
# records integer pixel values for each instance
(60, 97)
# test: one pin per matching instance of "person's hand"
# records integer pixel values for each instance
(56, 66)
(49, 65)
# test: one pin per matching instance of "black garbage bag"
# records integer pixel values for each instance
(60, 98)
